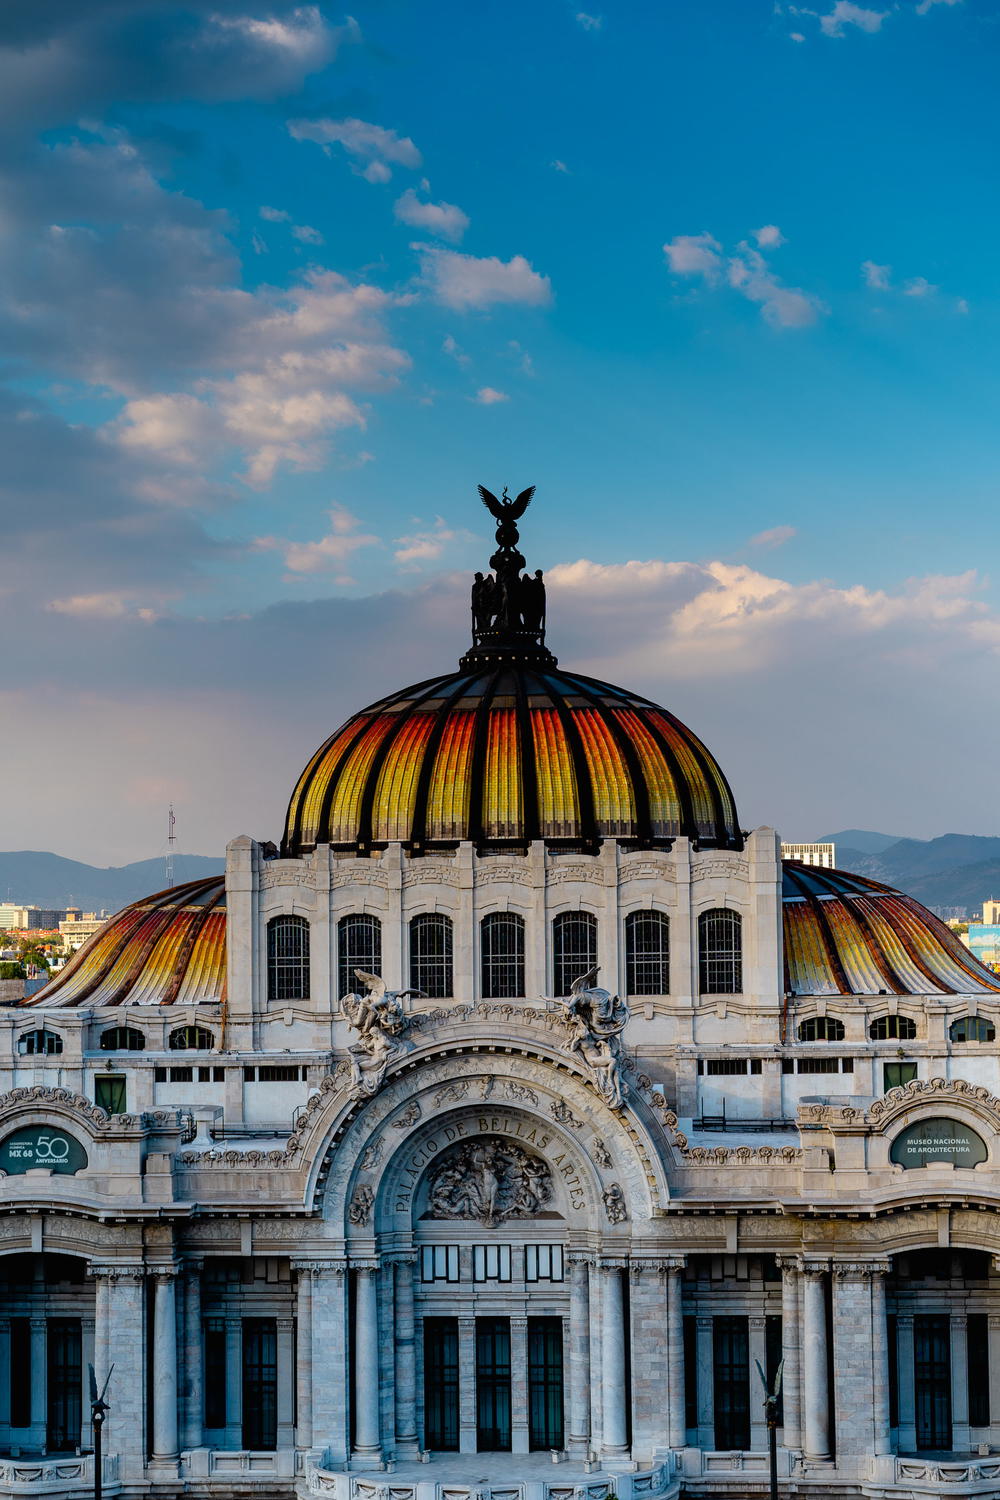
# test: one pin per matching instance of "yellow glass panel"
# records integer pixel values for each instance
(345, 808)
(503, 793)
(614, 801)
(664, 806)
(448, 792)
(395, 794)
(558, 798)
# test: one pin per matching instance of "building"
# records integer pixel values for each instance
(30, 918)
(991, 912)
(369, 1187)
(823, 855)
(78, 926)
(983, 939)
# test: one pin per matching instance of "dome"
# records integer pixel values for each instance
(168, 949)
(846, 935)
(503, 752)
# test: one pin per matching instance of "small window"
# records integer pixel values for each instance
(892, 1029)
(288, 958)
(109, 1093)
(439, 1263)
(491, 1262)
(502, 955)
(725, 1067)
(574, 948)
(756, 1065)
(39, 1044)
(192, 1039)
(182, 1075)
(543, 1263)
(720, 951)
(973, 1029)
(278, 1073)
(159, 1075)
(821, 1029)
(819, 1064)
(898, 1075)
(431, 947)
(122, 1039)
(647, 953)
(359, 946)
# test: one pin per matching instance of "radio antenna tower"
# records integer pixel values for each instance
(171, 844)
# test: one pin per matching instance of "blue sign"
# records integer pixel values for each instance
(931, 1141)
(41, 1146)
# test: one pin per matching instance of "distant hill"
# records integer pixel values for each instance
(957, 869)
(34, 878)
(860, 839)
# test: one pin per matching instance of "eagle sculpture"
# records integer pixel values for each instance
(506, 509)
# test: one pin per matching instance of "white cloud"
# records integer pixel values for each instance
(962, 306)
(589, 23)
(373, 148)
(487, 396)
(445, 220)
(876, 276)
(274, 215)
(109, 606)
(925, 5)
(796, 36)
(307, 234)
(426, 545)
(559, 166)
(776, 536)
(846, 13)
(328, 554)
(918, 286)
(451, 346)
(259, 244)
(748, 273)
(465, 281)
(694, 255)
(768, 237)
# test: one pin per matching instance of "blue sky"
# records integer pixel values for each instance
(279, 286)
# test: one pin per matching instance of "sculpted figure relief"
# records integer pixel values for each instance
(380, 1021)
(489, 1180)
(596, 1020)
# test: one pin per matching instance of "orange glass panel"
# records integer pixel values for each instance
(503, 791)
(614, 800)
(809, 969)
(345, 808)
(312, 785)
(205, 977)
(558, 798)
(395, 794)
(96, 956)
(694, 777)
(664, 806)
(154, 977)
(448, 791)
(854, 950)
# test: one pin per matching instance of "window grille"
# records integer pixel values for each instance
(359, 946)
(973, 1029)
(502, 956)
(819, 1065)
(543, 1262)
(191, 1039)
(821, 1029)
(491, 1262)
(122, 1039)
(893, 1029)
(439, 1263)
(574, 947)
(726, 1067)
(431, 947)
(647, 953)
(720, 951)
(39, 1043)
(288, 958)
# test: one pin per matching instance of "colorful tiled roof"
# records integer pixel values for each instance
(503, 753)
(168, 949)
(846, 935)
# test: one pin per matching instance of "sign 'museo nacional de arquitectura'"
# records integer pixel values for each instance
(480, 1137)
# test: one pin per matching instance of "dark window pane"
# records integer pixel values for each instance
(502, 938)
(892, 1334)
(20, 1372)
(109, 1093)
(690, 1371)
(359, 946)
(545, 1383)
(122, 1039)
(493, 1414)
(441, 1384)
(821, 1029)
(192, 1039)
(893, 1029)
(973, 1029)
(260, 1383)
(731, 1348)
(720, 951)
(431, 955)
(288, 958)
(574, 945)
(65, 1388)
(977, 1333)
(215, 1372)
(647, 953)
(932, 1382)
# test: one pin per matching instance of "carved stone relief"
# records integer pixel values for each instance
(488, 1180)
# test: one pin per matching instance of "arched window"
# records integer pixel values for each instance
(647, 953)
(122, 1039)
(574, 947)
(502, 955)
(973, 1029)
(821, 1029)
(192, 1039)
(892, 1029)
(431, 955)
(720, 951)
(359, 946)
(39, 1043)
(288, 958)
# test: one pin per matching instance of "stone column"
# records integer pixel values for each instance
(120, 1339)
(791, 1375)
(907, 1430)
(303, 1356)
(579, 1354)
(880, 1359)
(406, 1356)
(650, 1361)
(676, 1396)
(329, 1357)
(234, 1381)
(860, 1357)
(757, 1328)
(815, 1402)
(959, 1382)
(193, 1363)
(164, 1443)
(994, 1358)
(467, 1385)
(39, 1383)
(286, 1382)
(706, 1382)
(519, 1385)
(367, 1442)
(613, 1391)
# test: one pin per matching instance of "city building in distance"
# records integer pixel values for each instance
(823, 855)
(517, 1106)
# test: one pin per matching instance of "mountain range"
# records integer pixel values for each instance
(34, 878)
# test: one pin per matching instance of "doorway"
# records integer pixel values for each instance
(545, 1383)
(731, 1350)
(932, 1382)
(65, 1374)
(441, 1415)
(493, 1416)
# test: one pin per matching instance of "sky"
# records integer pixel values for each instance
(280, 285)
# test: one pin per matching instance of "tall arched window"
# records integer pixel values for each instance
(720, 951)
(821, 1029)
(192, 1039)
(288, 958)
(973, 1029)
(502, 955)
(359, 946)
(893, 1029)
(39, 1043)
(574, 947)
(122, 1039)
(431, 955)
(647, 953)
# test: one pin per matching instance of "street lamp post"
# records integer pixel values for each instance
(772, 1398)
(98, 1411)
